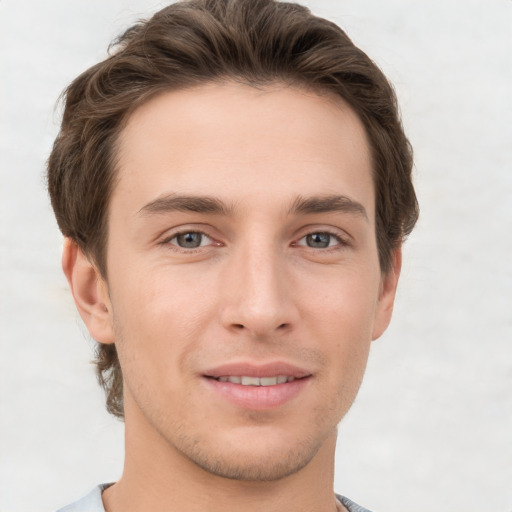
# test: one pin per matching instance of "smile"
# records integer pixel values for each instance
(245, 380)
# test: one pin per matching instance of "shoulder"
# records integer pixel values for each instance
(92, 502)
(350, 505)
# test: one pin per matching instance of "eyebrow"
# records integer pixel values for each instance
(206, 204)
(327, 204)
(178, 203)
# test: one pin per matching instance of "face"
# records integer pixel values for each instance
(244, 285)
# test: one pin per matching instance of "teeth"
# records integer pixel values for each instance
(268, 381)
(250, 381)
(256, 381)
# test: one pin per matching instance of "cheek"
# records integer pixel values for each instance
(348, 341)
(347, 305)
(158, 318)
(342, 321)
(159, 299)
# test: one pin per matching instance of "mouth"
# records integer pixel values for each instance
(257, 387)
(246, 380)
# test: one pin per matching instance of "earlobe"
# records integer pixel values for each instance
(387, 293)
(89, 291)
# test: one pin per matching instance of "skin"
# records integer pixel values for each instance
(268, 283)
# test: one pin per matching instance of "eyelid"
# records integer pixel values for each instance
(340, 242)
(181, 230)
(344, 238)
(176, 235)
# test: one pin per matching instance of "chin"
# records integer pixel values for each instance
(253, 461)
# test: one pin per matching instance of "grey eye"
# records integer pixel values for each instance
(318, 240)
(189, 240)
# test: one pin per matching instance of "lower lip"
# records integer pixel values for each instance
(258, 397)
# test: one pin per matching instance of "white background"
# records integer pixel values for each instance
(432, 426)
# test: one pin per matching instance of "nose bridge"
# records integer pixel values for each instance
(258, 297)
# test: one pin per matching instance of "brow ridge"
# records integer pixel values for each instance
(206, 204)
(327, 204)
(185, 203)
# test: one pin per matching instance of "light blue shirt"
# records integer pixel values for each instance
(90, 503)
(93, 502)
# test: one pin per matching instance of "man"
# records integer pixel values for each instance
(234, 186)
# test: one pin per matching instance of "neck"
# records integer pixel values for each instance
(158, 477)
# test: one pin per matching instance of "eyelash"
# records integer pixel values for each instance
(341, 242)
(168, 241)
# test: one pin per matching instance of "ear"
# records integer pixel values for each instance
(90, 292)
(387, 292)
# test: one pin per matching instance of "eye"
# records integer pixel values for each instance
(320, 240)
(190, 240)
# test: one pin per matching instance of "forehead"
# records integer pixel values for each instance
(243, 144)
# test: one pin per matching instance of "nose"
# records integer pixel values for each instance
(259, 294)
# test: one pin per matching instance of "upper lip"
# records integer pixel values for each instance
(257, 370)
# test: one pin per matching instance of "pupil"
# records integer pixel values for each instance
(189, 240)
(318, 240)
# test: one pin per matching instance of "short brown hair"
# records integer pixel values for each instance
(193, 42)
